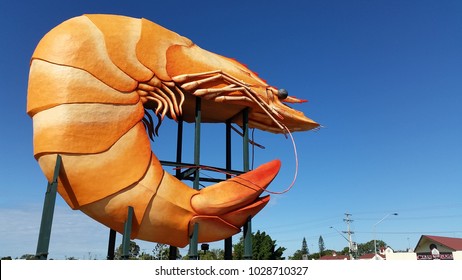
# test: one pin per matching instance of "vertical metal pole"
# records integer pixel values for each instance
(248, 239)
(127, 233)
(179, 146)
(229, 240)
(111, 244)
(245, 152)
(172, 252)
(193, 254)
(245, 139)
(47, 214)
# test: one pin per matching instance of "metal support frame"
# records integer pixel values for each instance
(193, 254)
(111, 245)
(127, 232)
(47, 214)
(173, 251)
(228, 245)
(245, 152)
(193, 175)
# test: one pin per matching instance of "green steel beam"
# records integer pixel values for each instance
(245, 139)
(245, 152)
(228, 241)
(127, 233)
(184, 175)
(179, 146)
(173, 251)
(197, 141)
(193, 254)
(47, 214)
(248, 239)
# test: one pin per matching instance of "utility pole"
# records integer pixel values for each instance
(348, 221)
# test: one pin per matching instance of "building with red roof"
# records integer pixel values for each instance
(334, 256)
(432, 247)
(429, 247)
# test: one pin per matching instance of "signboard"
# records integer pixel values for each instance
(430, 256)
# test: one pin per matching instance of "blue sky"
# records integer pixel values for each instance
(384, 78)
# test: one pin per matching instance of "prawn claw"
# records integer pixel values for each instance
(225, 207)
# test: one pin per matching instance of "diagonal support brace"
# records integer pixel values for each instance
(43, 243)
(127, 233)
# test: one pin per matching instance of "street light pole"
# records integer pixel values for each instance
(375, 225)
(348, 240)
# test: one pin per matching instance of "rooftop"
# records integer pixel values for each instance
(450, 242)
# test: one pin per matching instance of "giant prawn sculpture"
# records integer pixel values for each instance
(93, 79)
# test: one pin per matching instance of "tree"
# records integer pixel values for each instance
(368, 247)
(365, 248)
(345, 251)
(161, 252)
(298, 255)
(263, 248)
(27, 257)
(213, 254)
(145, 256)
(133, 251)
(321, 245)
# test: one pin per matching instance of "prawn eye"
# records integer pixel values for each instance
(282, 94)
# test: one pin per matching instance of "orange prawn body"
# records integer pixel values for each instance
(92, 80)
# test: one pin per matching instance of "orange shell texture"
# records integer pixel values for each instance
(82, 99)
(83, 102)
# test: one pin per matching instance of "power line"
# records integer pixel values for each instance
(416, 217)
(348, 221)
(412, 232)
(351, 247)
(427, 208)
